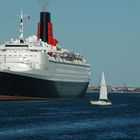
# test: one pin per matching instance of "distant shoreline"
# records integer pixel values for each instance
(131, 92)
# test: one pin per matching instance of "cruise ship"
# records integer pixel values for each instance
(37, 67)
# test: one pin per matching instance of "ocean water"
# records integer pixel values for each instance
(71, 119)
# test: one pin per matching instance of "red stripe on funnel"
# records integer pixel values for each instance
(55, 42)
(50, 33)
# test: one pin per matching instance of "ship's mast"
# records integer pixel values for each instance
(21, 38)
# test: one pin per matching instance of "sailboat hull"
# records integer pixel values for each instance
(100, 103)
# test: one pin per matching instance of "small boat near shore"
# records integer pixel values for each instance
(103, 99)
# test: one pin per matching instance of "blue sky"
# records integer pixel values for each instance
(106, 32)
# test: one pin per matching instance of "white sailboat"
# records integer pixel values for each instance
(103, 100)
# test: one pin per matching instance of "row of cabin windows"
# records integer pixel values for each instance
(20, 55)
(72, 71)
(63, 65)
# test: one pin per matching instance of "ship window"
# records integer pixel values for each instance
(13, 45)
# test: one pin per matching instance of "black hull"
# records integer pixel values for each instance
(24, 86)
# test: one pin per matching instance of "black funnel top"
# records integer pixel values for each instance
(44, 20)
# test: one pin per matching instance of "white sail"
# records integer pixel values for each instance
(103, 94)
(103, 88)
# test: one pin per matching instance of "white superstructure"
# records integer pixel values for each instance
(41, 59)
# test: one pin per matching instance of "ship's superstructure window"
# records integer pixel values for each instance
(14, 45)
